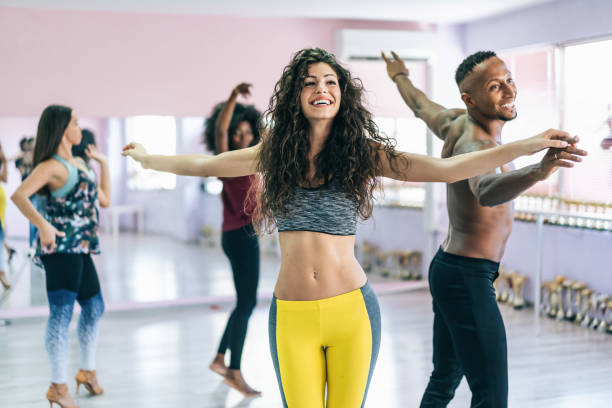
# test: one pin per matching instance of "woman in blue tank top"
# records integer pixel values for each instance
(321, 159)
(68, 235)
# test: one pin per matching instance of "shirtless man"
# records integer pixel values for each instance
(469, 336)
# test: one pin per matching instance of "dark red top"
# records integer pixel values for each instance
(234, 194)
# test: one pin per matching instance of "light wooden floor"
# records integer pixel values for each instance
(159, 358)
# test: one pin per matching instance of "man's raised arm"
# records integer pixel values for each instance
(437, 117)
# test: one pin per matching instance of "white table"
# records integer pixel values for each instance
(116, 211)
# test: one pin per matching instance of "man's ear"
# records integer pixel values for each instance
(468, 100)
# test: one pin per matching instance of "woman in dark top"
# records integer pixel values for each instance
(233, 126)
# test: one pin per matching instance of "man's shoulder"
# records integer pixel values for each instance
(474, 138)
(456, 119)
(458, 133)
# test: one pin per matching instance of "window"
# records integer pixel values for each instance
(410, 134)
(570, 87)
(588, 113)
(395, 120)
(158, 135)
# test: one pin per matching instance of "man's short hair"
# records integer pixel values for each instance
(468, 64)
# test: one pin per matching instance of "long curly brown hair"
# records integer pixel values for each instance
(349, 154)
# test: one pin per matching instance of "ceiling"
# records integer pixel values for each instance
(430, 11)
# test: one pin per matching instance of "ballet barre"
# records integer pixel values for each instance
(540, 216)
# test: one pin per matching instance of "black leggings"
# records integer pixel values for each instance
(72, 272)
(242, 249)
(469, 336)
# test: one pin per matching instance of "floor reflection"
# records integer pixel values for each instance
(148, 268)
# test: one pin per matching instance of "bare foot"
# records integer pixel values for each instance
(218, 365)
(58, 393)
(234, 379)
(4, 280)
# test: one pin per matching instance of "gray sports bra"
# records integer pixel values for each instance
(325, 209)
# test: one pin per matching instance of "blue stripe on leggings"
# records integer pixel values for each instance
(371, 304)
(273, 349)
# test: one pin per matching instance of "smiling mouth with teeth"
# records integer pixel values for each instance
(321, 102)
(508, 106)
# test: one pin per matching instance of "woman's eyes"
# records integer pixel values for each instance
(311, 83)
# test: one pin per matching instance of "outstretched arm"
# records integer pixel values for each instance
(437, 117)
(234, 163)
(414, 167)
(493, 189)
(225, 117)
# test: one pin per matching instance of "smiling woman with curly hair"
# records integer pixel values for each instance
(320, 160)
(289, 158)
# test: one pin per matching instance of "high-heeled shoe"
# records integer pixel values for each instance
(58, 394)
(89, 380)
(4, 280)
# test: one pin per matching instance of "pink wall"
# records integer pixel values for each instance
(114, 64)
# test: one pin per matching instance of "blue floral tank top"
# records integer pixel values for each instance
(74, 213)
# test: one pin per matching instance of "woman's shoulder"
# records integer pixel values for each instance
(50, 166)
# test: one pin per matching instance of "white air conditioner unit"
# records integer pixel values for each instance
(353, 44)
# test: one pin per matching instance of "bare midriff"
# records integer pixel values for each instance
(316, 266)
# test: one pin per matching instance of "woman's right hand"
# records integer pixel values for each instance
(550, 138)
(134, 150)
(48, 233)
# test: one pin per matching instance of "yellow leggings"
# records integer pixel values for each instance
(331, 341)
